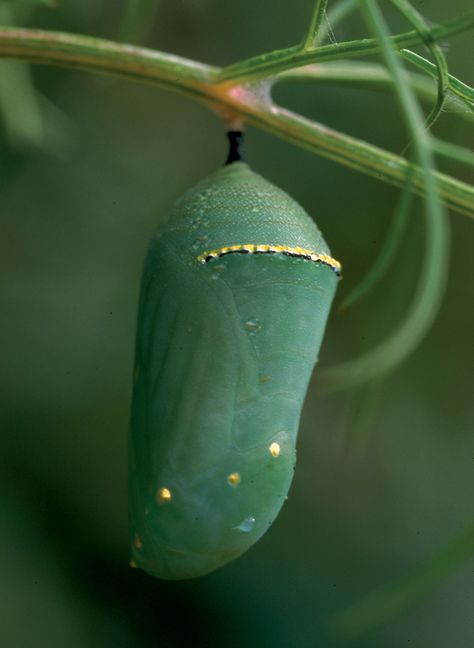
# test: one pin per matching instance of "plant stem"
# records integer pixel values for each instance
(359, 74)
(96, 54)
(198, 81)
(353, 153)
(407, 336)
(459, 88)
(417, 21)
(270, 63)
(315, 24)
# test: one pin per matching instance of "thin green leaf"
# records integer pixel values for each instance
(198, 81)
(137, 20)
(19, 102)
(317, 19)
(20, 3)
(453, 152)
(19, 106)
(394, 350)
(459, 88)
(374, 76)
(388, 251)
(418, 22)
(269, 64)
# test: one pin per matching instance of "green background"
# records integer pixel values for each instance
(385, 475)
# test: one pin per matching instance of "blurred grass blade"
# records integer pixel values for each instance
(376, 77)
(137, 20)
(382, 605)
(19, 106)
(23, 3)
(407, 337)
(270, 63)
(417, 21)
(453, 152)
(388, 251)
(19, 102)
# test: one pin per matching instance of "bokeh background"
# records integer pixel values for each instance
(90, 165)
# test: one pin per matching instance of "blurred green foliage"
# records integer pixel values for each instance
(385, 475)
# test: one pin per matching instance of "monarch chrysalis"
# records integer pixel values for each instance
(235, 294)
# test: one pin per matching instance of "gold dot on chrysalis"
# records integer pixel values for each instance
(233, 479)
(133, 564)
(274, 449)
(163, 495)
(137, 542)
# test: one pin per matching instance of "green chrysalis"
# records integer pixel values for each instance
(236, 291)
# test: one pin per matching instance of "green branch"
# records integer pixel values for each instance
(271, 63)
(198, 81)
(462, 90)
(316, 21)
(359, 74)
(430, 289)
(418, 23)
(99, 55)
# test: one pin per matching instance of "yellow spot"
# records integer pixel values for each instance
(133, 564)
(234, 479)
(274, 449)
(137, 542)
(264, 379)
(163, 495)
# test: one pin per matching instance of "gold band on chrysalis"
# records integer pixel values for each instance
(309, 255)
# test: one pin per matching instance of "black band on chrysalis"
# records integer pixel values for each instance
(236, 139)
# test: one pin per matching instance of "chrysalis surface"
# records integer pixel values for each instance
(235, 295)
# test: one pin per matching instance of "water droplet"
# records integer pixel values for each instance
(233, 479)
(274, 449)
(253, 326)
(246, 525)
(163, 495)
